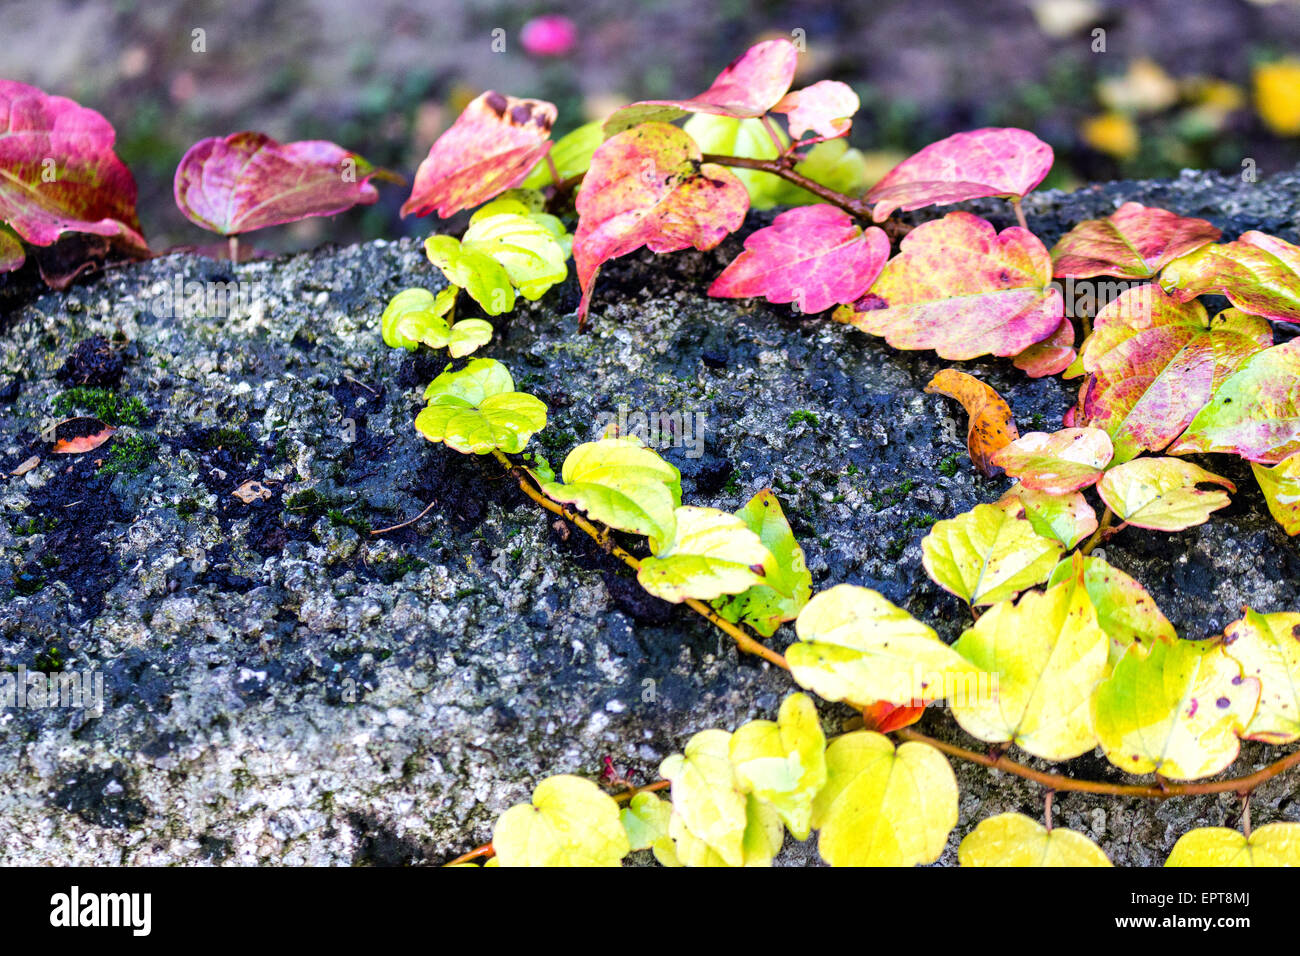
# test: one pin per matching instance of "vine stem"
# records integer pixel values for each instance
(1161, 790)
(743, 640)
(1107, 517)
(776, 167)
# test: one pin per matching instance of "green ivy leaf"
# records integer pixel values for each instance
(529, 246)
(727, 136)
(570, 822)
(620, 483)
(855, 646)
(645, 820)
(711, 553)
(467, 335)
(834, 164)
(988, 554)
(416, 316)
(1162, 494)
(476, 410)
(1068, 518)
(881, 806)
(1125, 611)
(485, 279)
(787, 583)
(571, 155)
(708, 798)
(783, 763)
(1281, 487)
(1013, 839)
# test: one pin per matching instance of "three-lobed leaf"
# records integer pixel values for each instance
(707, 796)
(1059, 463)
(620, 483)
(783, 762)
(1067, 518)
(787, 583)
(1267, 647)
(476, 410)
(710, 553)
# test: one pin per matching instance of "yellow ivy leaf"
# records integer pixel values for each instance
(1267, 646)
(1013, 839)
(1274, 844)
(762, 839)
(1162, 493)
(1068, 518)
(708, 798)
(856, 646)
(1281, 487)
(881, 806)
(1046, 654)
(783, 763)
(988, 554)
(571, 822)
(1125, 611)
(645, 820)
(1175, 709)
(1277, 95)
(621, 483)
(710, 553)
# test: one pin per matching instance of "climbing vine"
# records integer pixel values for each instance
(1065, 653)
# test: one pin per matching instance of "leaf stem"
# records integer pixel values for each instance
(1107, 517)
(1159, 791)
(776, 137)
(743, 640)
(1020, 213)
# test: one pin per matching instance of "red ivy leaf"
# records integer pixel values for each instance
(647, 187)
(60, 174)
(826, 108)
(1052, 355)
(1134, 241)
(960, 287)
(749, 87)
(884, 717)
(984, 162)
(248, 181)
(490, 148)
(1259, 274)
(814, 255)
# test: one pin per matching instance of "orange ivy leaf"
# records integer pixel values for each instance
(991, 427)
(884, 717)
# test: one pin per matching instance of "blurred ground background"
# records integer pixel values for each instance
(1179, 83)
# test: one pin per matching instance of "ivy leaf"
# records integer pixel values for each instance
(992, 426)
(1281, 487)
(813, 255)
(477, 410)
(647, 187)
(783, 763)
(983, 162)
(884, 717)
(988, 554)
(1059, 463)
(1046, 654)
(570, 822)
(525, 244)
(1259, 274)
(248, 181)
(1067, 518)
(467, 335)
(1051, 356)
(1134, 242)
(417, 316)
(571, 155)
(710, 553)
(826, 108)
(1013, 839)
(749, 139)
(621, 483)
(1267, 646)
(1274, 844)
(787, 583)
(708, 797)
(749, 87)
(881, 806)
(857, 647)
(1161, 493)
(960, 287)
(485, 279)
(92, 191)
(1255, 413)
(645, 821)
(1125, 611)
(490, 148)
(1175, 708)
(761, 841)
(1155, 363)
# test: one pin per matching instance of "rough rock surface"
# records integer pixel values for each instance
(283, 687)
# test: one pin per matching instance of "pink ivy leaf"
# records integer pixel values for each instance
(749, 87)
(248, 181)
(960, 287)
(60, 174)
(826, 108)
(1259, 274)
(985, 162)
(1059, 463)
(1052, 355)
(647, 187)
(1155, 362)
(490, 148)
(816, 256)
(1255, 413)
(1134, 241)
